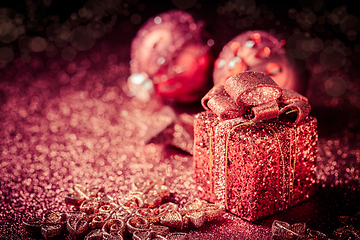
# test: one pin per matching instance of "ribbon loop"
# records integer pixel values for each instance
(265, 111)
(220, 102)
(255, 96)
(294, 103)
(252, 88)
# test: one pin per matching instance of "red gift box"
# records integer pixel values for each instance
(250, 155)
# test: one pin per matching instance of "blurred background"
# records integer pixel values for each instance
(325, 34)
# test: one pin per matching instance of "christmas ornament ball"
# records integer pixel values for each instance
(172, 56)
(262, 52)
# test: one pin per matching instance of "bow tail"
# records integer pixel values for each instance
(294, 112)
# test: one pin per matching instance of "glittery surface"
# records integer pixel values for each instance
(254, 169)
(168, 128)
(66, 117)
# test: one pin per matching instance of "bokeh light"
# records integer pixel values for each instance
(6, 55)
(37, 44)
(68, 53)
(332, 58)
(98, 28)
(335, 86)
(82, 38)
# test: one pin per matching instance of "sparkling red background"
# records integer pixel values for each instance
(66, 118)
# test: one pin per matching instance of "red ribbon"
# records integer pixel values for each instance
(255, 96)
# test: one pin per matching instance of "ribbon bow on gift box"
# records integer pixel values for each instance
(255, 96)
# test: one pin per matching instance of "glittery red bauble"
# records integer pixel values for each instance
(262, 52)
(175, 53)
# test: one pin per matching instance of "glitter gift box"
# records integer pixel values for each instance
(255, 148)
